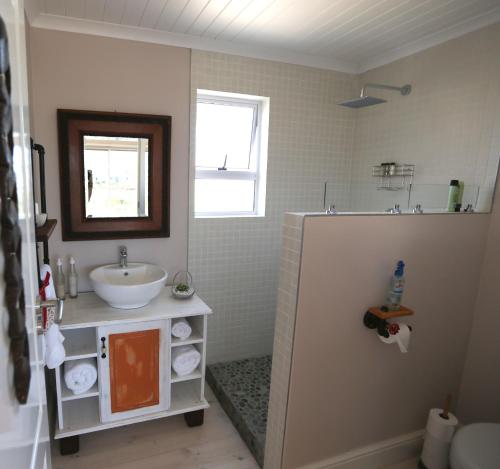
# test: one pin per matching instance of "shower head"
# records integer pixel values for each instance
(365, 101)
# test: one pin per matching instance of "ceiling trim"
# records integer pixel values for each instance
(119, 31)
(477, 22)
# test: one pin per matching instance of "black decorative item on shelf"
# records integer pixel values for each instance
(377, 318)
(373, 322)
(40, 150)
(41, 165)
(11, 233)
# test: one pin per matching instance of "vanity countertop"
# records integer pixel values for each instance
(88, 310)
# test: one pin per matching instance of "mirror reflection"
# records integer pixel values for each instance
(116, 176)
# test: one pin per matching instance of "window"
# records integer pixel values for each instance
(116, 176)
(231, 154)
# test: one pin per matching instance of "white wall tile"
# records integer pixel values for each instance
(235, 261)
(448, 126)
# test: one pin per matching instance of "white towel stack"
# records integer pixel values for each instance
(185, 359)
(80, 375)
(181, 329)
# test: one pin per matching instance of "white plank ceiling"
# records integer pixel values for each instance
(353, 34)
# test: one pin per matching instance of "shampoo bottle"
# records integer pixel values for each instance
(453, 195)
(395, 294)
(461, 187)
(60, 281)
(73, 279)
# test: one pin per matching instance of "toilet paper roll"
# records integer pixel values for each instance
(439, 427)
(402, 337)
(438, 435)
(435, 453)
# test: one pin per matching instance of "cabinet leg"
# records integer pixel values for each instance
(69, 445)
(194, 419)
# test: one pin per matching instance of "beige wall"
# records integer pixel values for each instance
(449, 126)
(75, 71)
(480, 391)
(347, 389)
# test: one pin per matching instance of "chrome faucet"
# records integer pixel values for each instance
(395, 210)
(123, 256)
(331, 210)
(418, 209)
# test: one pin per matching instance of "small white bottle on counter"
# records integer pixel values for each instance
(73, 279)
(60, 281)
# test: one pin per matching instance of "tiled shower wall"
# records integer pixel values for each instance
(234, 261)
(449, 126)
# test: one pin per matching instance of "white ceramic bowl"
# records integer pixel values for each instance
(128, 287)
(40, 219)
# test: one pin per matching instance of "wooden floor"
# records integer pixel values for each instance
(163, 444)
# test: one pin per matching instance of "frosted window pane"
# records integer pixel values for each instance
(223, 130)
(227, 195)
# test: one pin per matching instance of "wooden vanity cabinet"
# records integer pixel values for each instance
(132, 352)
(134, 363)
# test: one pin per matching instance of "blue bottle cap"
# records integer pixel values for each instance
(400, 269)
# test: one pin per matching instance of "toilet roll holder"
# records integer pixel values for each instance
(377, 318)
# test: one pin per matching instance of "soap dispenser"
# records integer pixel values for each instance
(60, 281)
(73, 279)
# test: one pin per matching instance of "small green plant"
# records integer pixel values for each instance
(182, 287)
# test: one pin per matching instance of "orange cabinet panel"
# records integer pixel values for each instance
(134, 365)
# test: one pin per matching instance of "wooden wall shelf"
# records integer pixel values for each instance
(43, 232)
(377, 311)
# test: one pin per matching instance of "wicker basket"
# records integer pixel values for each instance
(182, 287)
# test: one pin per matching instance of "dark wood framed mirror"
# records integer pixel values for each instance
(114, 175)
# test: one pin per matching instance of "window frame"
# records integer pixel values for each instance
(257, 167)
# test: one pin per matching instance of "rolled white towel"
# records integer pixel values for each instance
(54, 348)
(80, 375)
(181, 328)
(185, 359)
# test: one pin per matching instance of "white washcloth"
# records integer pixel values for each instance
(54, 348)
(185, 359)
(181, 328)
(80, 375)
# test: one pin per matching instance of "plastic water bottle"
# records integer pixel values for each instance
(395, 295)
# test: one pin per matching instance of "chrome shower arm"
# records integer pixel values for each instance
(404, 90)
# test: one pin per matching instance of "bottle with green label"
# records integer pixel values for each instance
(453, 195)
(461, 187)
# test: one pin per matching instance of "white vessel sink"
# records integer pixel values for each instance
(128, 287)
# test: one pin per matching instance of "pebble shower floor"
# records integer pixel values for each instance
(242, 388)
